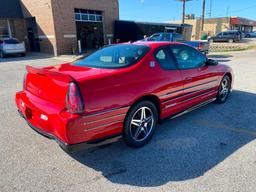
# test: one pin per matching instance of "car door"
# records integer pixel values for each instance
(171, 87)
(200, 81)
(178, 37)
(226, 36)
(218, 37)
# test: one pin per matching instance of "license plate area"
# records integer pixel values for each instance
(28, 113)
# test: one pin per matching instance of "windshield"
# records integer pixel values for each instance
(116, 56)
(11, 41)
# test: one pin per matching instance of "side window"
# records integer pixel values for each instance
(225, 34)
(166, 37)
(155, 37)
(178, 38)
(187, 57)
(165, 59)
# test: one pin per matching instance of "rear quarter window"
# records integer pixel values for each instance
(164, 57)
(11, 41)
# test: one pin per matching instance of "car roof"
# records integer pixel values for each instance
(155, 44)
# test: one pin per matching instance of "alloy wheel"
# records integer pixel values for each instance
(142, 123)
(1, 54)
(224, 89)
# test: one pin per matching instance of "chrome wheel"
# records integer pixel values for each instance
(1, 54)
(224, 90)
(142, 123)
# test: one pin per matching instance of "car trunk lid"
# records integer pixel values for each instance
(48, 85)
(51, 83)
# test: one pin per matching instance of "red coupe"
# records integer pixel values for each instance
(122, 90)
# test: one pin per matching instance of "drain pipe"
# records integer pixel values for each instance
(9, 28)
(79, 47)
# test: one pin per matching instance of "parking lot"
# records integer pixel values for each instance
(210, 149)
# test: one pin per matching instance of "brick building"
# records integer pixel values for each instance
(11, 20)
(213, 26)
(55, 26)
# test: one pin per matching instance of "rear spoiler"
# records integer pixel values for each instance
(55, 75)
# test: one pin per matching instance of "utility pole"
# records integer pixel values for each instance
(202, 25)
(210, 13)
(183, 11)
(228, 11)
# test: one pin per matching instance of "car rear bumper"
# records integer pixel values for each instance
(74, 147)
(13, 51)
(72, 132)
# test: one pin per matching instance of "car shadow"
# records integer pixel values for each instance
(183, 148)
(29, 56)
(220, 56)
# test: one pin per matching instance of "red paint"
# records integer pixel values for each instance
(109, 93)
(242, 21)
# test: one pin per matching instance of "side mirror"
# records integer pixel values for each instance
(211, 62)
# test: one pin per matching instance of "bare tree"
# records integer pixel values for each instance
(183, 9)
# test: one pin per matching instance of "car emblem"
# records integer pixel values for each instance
(152, 64)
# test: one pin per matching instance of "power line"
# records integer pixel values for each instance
(228, 11)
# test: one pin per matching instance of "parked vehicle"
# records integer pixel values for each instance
(202, 46)
(121, 90)
(242, 34)
(251, 34)
(11, 46)
(227, 36)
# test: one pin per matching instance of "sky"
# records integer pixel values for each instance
(170, 10)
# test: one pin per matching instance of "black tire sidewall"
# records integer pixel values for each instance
(219, 100)
(126, 132)
(2, 54)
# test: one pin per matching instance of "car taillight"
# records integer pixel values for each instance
(200, 45)
(74, 100)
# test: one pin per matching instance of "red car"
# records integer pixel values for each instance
(121, 90)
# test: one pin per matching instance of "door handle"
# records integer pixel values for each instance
(188, 79)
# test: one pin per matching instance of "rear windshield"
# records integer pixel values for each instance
(116, 56)
(11, 41)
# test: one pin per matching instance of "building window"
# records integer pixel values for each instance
(4, 31)
(88, 15)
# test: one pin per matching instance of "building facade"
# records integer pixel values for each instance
(132, 31)
(61, 26)
(213, 26)
(11, 20)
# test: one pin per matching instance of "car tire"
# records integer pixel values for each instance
(2, 55)
(224, 90)
(248, 36)
(231, 40)
(23, 54)
(140, 124)
(211, 41)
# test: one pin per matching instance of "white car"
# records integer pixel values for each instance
(11, 46)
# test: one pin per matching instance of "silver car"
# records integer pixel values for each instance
(251, 34)
(11, 46)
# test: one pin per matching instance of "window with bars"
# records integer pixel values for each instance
(88, 15)
(4, 32)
